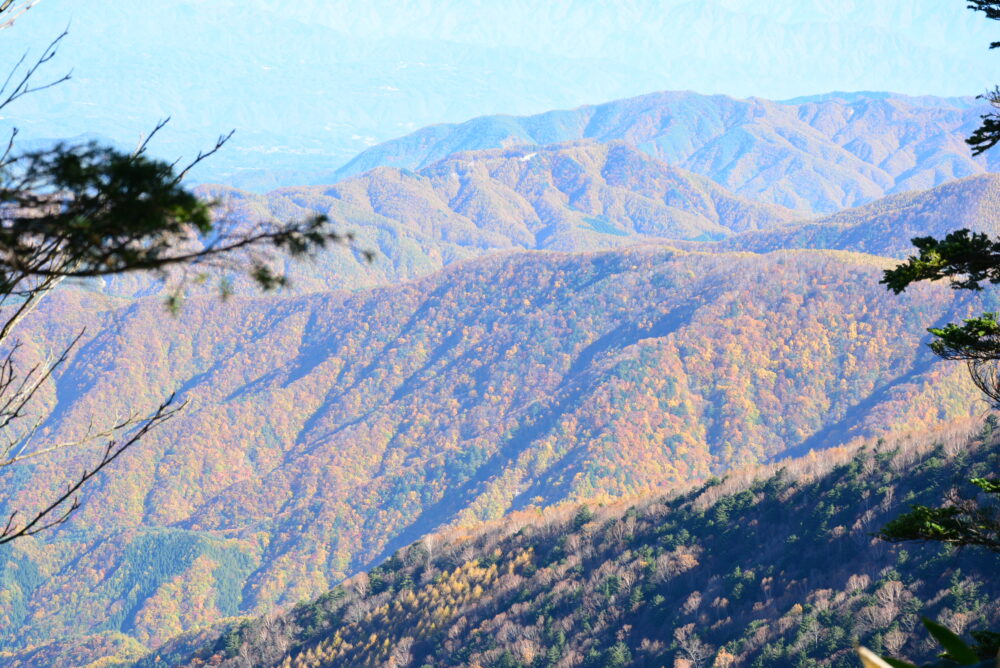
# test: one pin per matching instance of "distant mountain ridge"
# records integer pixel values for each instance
(580, 196)
(818, 154)
(567, 197)
(348, 77)
(887, 226)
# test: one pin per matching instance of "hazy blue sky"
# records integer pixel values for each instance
(311, 82)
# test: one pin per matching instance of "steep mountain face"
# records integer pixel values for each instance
(580, 197)
(887, 226)
(323, 431)
(778, 569)
(815, 155)
(563, 197)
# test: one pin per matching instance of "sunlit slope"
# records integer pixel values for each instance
(567, 197)
(322, 431)
(886, 227)
(771, 568)
(815, 154)
(582, 197)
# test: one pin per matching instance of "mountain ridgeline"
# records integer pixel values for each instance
(650, 302)
(887, 226)
(567, 197)
(577, 197)
(364, 76)
(817, 154)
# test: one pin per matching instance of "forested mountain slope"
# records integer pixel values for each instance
(774, 568)
(887, 226)
(324, 430)
(583, 196)
(817, 154)
(550, 347)
(567, 197)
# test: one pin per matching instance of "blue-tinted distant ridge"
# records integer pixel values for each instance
(817, 154)
(309, 84)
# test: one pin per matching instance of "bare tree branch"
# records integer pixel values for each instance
(203, 155)
(13, 405)
(62, 507)
(18, 446)
(24, 86)
(144, 141)
(27, 306)
(10, 147)
(14, 12)
(88, 211)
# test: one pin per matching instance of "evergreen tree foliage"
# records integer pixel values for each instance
(779, 569)
(968, 260)
(85, 211)
(963, 523)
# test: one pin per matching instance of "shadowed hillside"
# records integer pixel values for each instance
(769, 568)
(325, 430)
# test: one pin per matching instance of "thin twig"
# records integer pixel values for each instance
(57, 512)
(144, 141)
(17, 13)
(24, 86)
(203, 155)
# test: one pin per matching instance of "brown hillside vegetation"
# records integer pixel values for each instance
(886, 227)
(577, 197)
(326, 430)
(566, 197)
(769, 567)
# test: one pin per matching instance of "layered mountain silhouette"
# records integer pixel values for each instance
(574, 197)
(325, 431)
(544, 322)
(568, 197)
(887, 226)
(816, 154)
(309, 86)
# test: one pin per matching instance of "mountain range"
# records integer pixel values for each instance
(309, 86)
(543, 324)
(887, 226)
(566, 197)
(574, 197)
(817, 155)
(324, 431)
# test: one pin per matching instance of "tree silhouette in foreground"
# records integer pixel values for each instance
(969, 260)
(86, 211)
